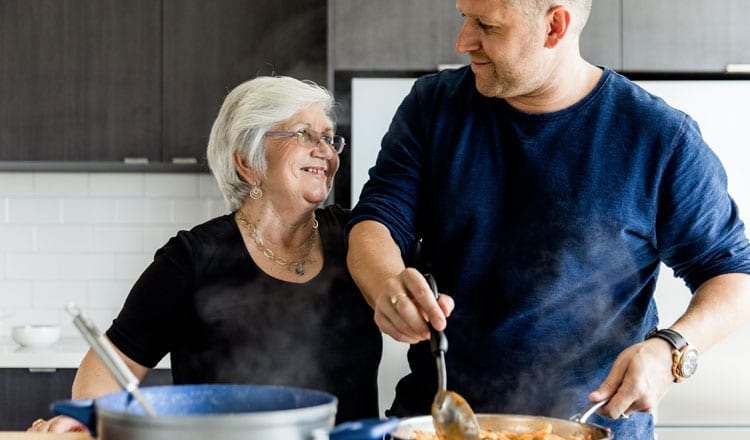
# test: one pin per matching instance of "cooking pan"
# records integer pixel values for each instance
(226, 412)
(508, 422)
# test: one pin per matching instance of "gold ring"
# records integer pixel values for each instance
(37, 422)
(396, 298)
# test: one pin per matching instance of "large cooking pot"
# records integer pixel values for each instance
(508, 422)
(226, 412)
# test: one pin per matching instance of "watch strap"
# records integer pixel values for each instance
(676, 340)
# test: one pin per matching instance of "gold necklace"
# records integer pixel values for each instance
(299, 265)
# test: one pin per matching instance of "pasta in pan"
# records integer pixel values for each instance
(489, 434)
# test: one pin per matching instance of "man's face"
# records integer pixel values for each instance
(505, 46)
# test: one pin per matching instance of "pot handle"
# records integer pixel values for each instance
(81, 410)
(367, 429)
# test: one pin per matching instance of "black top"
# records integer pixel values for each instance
(223, 320)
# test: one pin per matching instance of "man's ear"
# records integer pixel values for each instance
(247, 174)
(558, 24)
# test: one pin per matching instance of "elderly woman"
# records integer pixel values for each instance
(261, 295)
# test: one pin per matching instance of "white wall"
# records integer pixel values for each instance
(720, 391)
(86, 237)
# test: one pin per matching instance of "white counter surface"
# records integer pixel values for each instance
(65, 353)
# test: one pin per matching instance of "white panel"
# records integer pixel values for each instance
(68, 184)
(374, 102)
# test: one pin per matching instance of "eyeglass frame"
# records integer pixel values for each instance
(305, 134)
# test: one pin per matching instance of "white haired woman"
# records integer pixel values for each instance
(261, 295)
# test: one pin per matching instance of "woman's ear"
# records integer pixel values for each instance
(247, 174)
(558, 24)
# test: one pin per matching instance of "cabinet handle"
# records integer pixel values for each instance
(42, 370)
(738, 68)
(184, 160)
(135, 160)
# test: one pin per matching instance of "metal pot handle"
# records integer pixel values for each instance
(584, 415)
(81, 410)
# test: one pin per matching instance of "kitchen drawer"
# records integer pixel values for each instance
(25, 395)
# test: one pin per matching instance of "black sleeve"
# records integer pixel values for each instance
(153, 311)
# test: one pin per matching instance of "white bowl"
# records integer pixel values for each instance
(35, 335)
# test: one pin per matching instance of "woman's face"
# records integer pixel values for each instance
(299, 169)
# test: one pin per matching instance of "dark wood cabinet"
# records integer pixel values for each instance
(106, 80)
(27, 395)
(212, 46)
(79, 80)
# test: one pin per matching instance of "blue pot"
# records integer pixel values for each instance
(225, 412)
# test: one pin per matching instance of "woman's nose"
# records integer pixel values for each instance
(322, 149)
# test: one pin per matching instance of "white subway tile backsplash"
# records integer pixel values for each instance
(116, 239)
(16, 184)
(208, 188)
(117, 184)
(34, 210)
(89, 211)
(31, 266)
(108, 294)
(15, 294)
(63, 184)
(190, 211)
(171, 185)
(66, 238)
(144, 211)
(16, 238)
(86, 237)
(130, 267)
(155, 238)
(87, 266)
(217, 207)
(57, 294)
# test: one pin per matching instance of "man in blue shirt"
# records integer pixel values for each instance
(543, 192)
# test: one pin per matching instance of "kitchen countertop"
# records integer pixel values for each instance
(65, 353)
(20, 435)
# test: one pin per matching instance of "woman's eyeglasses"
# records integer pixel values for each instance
(305, 136)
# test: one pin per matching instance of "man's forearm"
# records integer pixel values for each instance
(720, 306)
(373, 257)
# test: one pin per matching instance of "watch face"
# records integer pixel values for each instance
(688, 363)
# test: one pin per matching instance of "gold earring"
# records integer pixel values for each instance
(256, 192)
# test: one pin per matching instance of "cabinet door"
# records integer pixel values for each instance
(212, 46)
(602, 37)
(685, 35)
(79, 80)
(26, 396)
(394, 34)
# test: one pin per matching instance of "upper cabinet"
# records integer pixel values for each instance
(685, 35)
(212, 46)
(394, 34)
(79, 80)
(106, 80)
(644, 35)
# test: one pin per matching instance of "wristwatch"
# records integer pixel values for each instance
(684, 357)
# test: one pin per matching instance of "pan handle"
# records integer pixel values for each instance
(373, 428)
(82, 410)
(584, 415)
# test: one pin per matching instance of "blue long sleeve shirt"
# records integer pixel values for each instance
(547, 230)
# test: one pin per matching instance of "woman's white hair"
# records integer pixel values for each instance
(248, 112)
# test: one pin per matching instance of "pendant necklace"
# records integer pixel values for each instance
(298, 265)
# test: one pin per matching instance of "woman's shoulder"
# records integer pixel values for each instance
(210, 235)
(333, 216)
